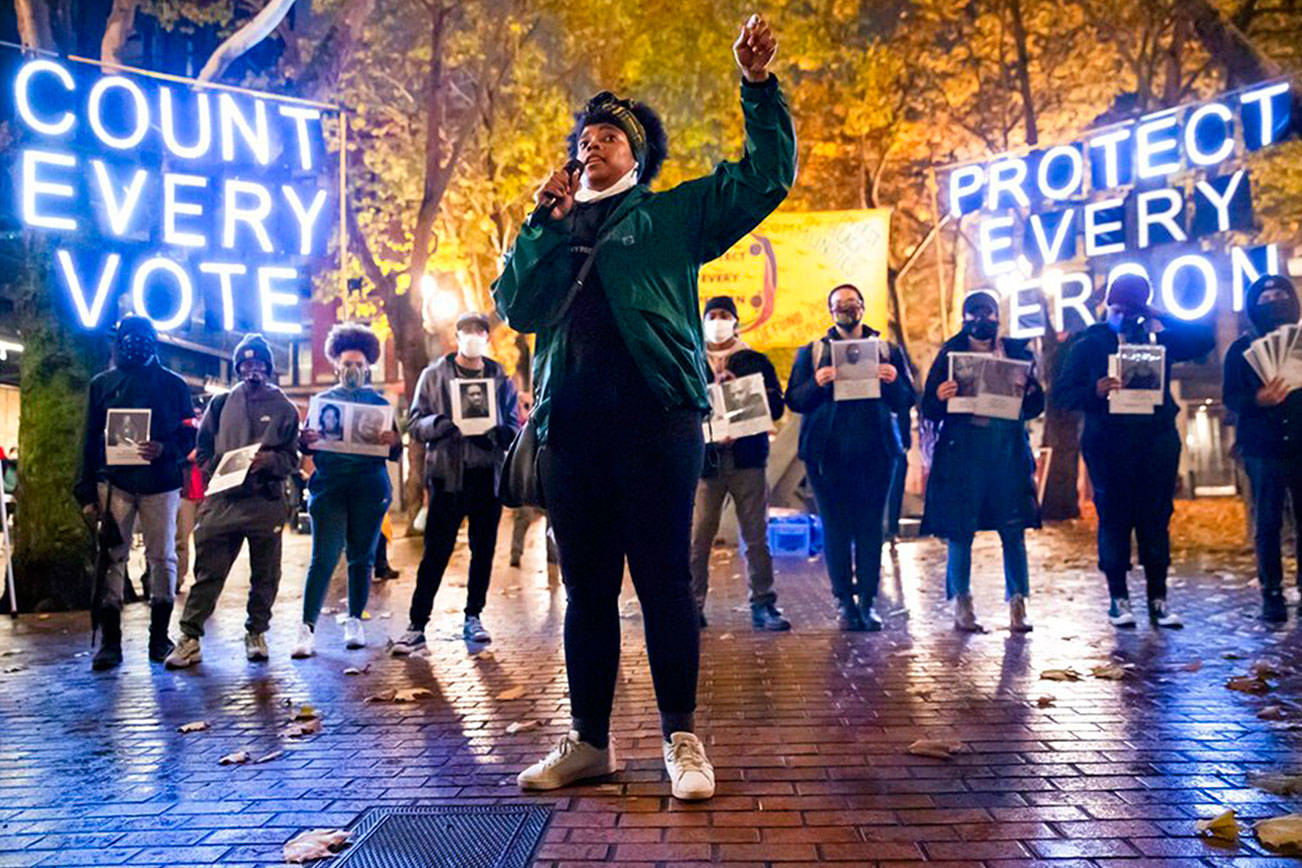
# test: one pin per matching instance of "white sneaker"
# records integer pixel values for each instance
(1120, 613)
(1161, 616)
(354, 635)
(1017, 620)
(571, 760)
(306, 645)
(473, 630)
(965, 619)
(255, 647)
(690, 774)
(185, 654)
(408, 643)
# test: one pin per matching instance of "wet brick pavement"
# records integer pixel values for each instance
(807, 730)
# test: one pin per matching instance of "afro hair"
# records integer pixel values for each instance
(657, 142)
(352, 336)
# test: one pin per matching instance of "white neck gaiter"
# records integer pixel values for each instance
(628, 182)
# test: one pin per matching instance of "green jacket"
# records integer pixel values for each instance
(648, 266)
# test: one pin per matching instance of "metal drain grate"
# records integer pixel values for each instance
(449, 836)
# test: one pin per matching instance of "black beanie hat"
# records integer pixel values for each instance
(980, 298)
(1260, 285)
(645, 132)
(721, 302)
(253, 346)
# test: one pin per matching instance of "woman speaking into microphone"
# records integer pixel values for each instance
(607, 281)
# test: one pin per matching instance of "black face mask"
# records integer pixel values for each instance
(135, 351)
(1270, 315)
(981, 329)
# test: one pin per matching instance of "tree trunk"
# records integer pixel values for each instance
(53, 554)
(34, 23)
(1024, 72)
(1244, 63)
(121, 24)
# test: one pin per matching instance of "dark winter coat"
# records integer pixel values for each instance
(648, 267)
(259, 505)
(150, 387)
(447, 453)
(982, 472)
(823, 419)
(752, 451)
(1260, 432)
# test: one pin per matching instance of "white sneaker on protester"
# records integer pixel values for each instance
(691, 776)
(185, 654)
(408, 643)
(255, 647)
(306, 645)
(570, 761)
(1120, 613)
(473, 630)
(354, 635)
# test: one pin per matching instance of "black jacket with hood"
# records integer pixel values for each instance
(1260, 432)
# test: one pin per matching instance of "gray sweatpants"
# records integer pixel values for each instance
(214, 555)
(750, 495)
(157, 516)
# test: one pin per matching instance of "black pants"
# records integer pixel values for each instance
(895, 499)
(612, 496)
(852, 504)
(476, 501)
(1134, 489)
(1272, 480)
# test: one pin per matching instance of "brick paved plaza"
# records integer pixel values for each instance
(807, 730)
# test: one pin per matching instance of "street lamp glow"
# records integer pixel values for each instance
(443, 304)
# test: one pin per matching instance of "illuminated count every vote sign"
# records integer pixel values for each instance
(186, 199)
(1156, 196)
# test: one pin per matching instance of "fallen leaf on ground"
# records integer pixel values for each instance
(934, 749)
(307, 712)
(358, 670)
(1192, 666)
(231, 759)
(1276, 783)
(522, 726)
(1278, 832)
(1060, 675)
(10, 652)
(1265, 668)
(1232, 655)
(1109, 671)
(511, 693)
(411, 694)
(452, 610)
(194, 726)
(382, 696)
(1045, 701)
(266, 758)
(1273, 712)
(10, 670)
(1223, 826)
(1248, 684)
(316, 844)
(307, 727)
(44, 616)
(726, 636)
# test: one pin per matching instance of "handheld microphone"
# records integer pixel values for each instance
(546, 201)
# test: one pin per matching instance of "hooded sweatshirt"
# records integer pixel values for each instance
(1260, 432)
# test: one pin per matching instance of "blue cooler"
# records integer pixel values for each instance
(795, 535)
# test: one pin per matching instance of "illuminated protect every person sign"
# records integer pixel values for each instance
(1149, 196)
(188, 200)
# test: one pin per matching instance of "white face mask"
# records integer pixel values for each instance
(471, 346)
(719, 331)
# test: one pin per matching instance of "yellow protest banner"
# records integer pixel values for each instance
(780, 274)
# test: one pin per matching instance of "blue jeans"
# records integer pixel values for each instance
(1272, 479)
(346, 515)
(958, 568)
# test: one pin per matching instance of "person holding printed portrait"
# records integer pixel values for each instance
(148, 491)
(348, 494)
(254, 412)
(461, 474)
(982, 469)
(1133, 459)
(738, 468)
(609, 285)
(850, 449)
(1268, 437)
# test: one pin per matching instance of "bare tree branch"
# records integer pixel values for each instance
(256, 29)
(121, 24)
